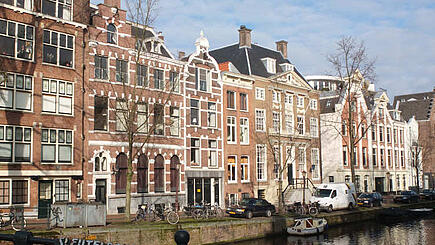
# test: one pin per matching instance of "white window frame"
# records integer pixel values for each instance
(260, 122)
(57, 144)
(28, 4)
(289, 123)
(288, 101)
(57, 3)
(52, 88)
(276, 161)
(269, 64)
(198, 107)
(197, 149)
(174, 127)
(10, 180)
(365, 160)
(55, 196)
(300, 101)
(212, 151)
(345, 156)
(207, 79)
(246, 103)
(8, 83)
(261, 161)
(232, 178)
(6, 138)
(302, 159)
(212, 108)
(276, 122)
(244, 167)
(231, 130)
(174, 81)
(300, 125)
(315, 161)
(313, 104)
(26, 39)
(229, 92)
(59, 47)
(314, 127)
(260, 93)
(244, 131)
(121, 108)
(276, 96)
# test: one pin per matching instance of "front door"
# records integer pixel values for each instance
(100, 191)
(45, 198)
(379, 182)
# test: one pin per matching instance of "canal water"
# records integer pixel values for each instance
(417, 231)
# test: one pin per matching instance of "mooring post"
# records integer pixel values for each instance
(182, 237)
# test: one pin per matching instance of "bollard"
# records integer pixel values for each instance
(182, 237)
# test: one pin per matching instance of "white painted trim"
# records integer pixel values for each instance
(147, 145)
(40, 172)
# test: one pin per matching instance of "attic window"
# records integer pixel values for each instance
(270, 64)
(285, 67)
(328, 103)
(111, 34)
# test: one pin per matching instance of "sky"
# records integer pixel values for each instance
(399, 34)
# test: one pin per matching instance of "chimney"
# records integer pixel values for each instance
(281, 46)
(244, 37)
(181, 54)
(160, 36)
(113, 3)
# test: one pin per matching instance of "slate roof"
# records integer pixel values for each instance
(327, 105)
(237, 56)
(417, 105)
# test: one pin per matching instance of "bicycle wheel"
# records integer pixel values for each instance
(19, 224)
(300, 210)
(198, 214)
(313, 211)
(153, 216)
(219, 213)
(172, 218)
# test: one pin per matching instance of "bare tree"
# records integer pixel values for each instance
(353, 67)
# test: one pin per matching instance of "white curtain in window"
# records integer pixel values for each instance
(64, 153)
(49, 103)
(5, 150)
(22, 151)
(48, 153)
(6, 98)
(23, 100)
(65, 105)
(66, 13)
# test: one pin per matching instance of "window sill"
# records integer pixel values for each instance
(16, 58)
(99, 131)
(232, 182)
(57, 163)
(231, 143)
(245, 181)
(16, 163)
(262, 181)
(56, 114)
(244, 143)
(231, 109)
(16, 110)
(244, 110)
(59, 66)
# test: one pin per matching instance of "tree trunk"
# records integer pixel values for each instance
(352, 159)
(280, 199)
(129, 178)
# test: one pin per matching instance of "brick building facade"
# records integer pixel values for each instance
(41, 143)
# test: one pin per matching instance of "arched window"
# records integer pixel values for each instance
(175, 164)
(111, 34)
(101, 162)
(121, 174)
(159, 174)
(142, 174)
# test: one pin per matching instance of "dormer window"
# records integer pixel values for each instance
(270, 65)
(285, 67)
(111, 34)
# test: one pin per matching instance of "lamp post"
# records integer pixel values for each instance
(177, 167)
(303, 193)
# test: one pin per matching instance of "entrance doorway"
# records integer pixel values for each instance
(100, 191)
(379, 184)
(45, 198)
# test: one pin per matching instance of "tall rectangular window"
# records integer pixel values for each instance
(276, 122)
(244, 167)
(202, 79)
(289, 123)
(244, 130)
(16, 91)
(288, 101)
(232, 169)
(101, 67)
(374, 157)
(260, 93)
(231, 130)
(300, 102)
(402, 159)
(4, 192)
(302, 159)
(301, 125)
(159, 117)
(373, 132)
(344, 127)
(381, 133)
(231, 100)
(211, 115)
(58, 48)
(159, 82)
(57, 96)
(388, 135)
(364, 156)
(314, 127)
(100, 113)
(276, 161)
(243, 102)
(315, 163)
(20, 192)
(121, 75)
(121, 115)
(175, 121)
(261, 161)
(260, 120)
(396, 158)
(174, 82)
(195, 152)
(61, 190)
(15, 144)
(142, 117)
(142, 75)
(313, 104)
(276, 96)
(194, 112)
(57, 8)
(345, 158)
(16, 40)
(389, 157)
(382, 155)
(401, 136)
(56, 146)
(212, 157)
(363, 130)
(26, 4)
(395, 135)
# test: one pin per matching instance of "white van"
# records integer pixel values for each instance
(333, 196)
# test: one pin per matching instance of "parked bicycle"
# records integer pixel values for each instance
(168, 214)
(145, 213)
(17, 222)
(311, 208)
(206, 211)
(56, 214)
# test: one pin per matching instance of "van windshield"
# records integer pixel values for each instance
(323, 192)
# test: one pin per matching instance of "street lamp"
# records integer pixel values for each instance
(177, 167)
(303, 194)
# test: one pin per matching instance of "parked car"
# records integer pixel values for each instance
(250, 207)
(333, 196)
(370, 199)
(427, 194)
(406, 197)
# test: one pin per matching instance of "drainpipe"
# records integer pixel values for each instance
(83, 107)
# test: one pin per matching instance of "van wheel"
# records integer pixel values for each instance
(268, 213)
(350, 207)
(329, 209)
(249, 215)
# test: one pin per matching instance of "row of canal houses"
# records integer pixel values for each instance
(215, 126)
